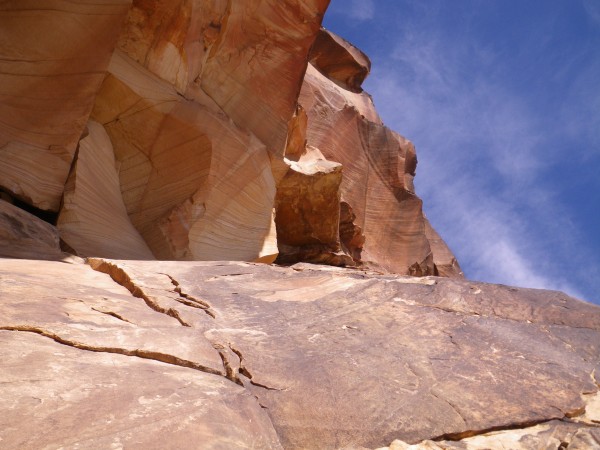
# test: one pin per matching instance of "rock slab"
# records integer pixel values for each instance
(300, 357)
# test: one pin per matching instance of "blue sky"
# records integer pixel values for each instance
(502, 101)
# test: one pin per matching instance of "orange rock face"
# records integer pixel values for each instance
(307, 212)
(193, 123)
(186, 172)
(379, 164)
(54, 57)
(204, 121)
(340, 61)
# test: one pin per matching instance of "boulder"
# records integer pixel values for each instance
(307, 211)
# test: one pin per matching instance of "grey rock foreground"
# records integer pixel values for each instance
(127, 354)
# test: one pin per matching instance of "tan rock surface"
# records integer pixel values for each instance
(338, 357)
(445, 262)
(194, 185)
(351, 237)
(55, 53)
(183, 158)
(378, 166)
(93, 312)
(197, 130)
(22, 235)
(93, 219)
(57, 396)
(87, 364)
(261, 44)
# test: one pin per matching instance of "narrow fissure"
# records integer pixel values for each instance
(112, 314)
(144, 354)
(229, 372)
(120, 277)
(515, 426)
(188, 300)
(454, 408)
(50, 217)
(244, 371)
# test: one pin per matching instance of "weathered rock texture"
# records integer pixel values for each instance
(93, 218)
(177, 131)
(239, 355)
(54, 54)
(379, 164)
(340, 61)
(239, 130)
(23, 235)
(307, 211)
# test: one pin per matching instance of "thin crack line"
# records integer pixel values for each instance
(454, 408)
(499, 317)
(121, 277)
(244, 371)
(515, 426)
(189, 300)
(143, 354)
(112, 314)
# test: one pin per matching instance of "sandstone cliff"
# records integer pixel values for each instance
(182, 130)
(199, 131)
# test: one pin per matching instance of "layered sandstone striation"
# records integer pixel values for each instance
(379, 164)
(93, 218)
(195, 126)
(183, 131)
(54, 58)
(240, 355)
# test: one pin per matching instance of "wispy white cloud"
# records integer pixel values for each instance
(482, 152)
(358, 10)
(362, 9)
(583, 104)
(592, 8)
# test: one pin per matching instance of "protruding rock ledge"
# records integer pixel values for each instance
(339, 60)
(23, 235)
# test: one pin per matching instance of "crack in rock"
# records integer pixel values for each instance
(454, 408)
(508, 427)
(112, 314)
(121, 277)
(244, 371)
(144, 354)
(229, 372)
(464, 437)
(189, 300)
